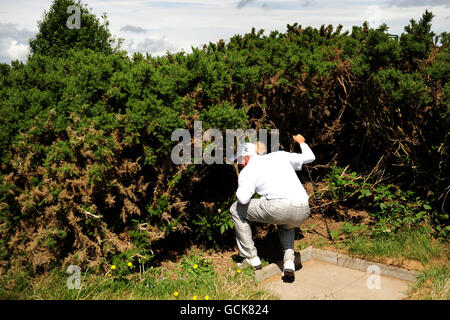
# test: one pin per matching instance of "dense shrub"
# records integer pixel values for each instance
(85, 137)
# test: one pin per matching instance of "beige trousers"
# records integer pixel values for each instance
(286, 214)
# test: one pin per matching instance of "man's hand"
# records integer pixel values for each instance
(299, 138)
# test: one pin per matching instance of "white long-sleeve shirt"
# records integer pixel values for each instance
(273, 176)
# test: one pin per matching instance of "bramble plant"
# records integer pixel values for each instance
(388, 204)
(212, 225)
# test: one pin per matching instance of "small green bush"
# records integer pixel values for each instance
(391, 207)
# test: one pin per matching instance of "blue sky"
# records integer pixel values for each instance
(158, 26)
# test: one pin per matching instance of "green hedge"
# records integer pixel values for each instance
(85, 137)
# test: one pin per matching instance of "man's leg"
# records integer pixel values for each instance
(279, 212)
(287, 237)
(296, 216)
(240, 215)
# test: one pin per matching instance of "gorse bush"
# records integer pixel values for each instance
(85, 136)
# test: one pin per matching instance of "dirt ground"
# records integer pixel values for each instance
(266, 242)
(312, 232)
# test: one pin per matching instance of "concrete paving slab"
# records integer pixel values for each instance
(320, 273)
(388, 289)
(318, 279)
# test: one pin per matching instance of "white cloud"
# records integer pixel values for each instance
(16, 49)
(242, 3)
(418, 3)
(154, 46)
(13, 42)
(130, 28)
(158, 26)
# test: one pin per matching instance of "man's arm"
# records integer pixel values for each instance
(298, 159)
(246, 188)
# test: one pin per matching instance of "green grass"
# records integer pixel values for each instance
(410, 244)
(433, 280)
(432, 284)
(413, 248)
(193, 276)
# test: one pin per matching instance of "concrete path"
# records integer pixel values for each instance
(318, 279)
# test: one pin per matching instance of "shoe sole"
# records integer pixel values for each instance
(288, 275)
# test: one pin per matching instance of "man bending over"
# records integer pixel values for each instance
(283, 201)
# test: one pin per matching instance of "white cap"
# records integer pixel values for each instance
(245, 149)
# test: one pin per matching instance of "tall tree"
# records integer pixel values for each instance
(70, 25)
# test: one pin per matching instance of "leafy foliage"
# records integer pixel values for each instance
(391, 207)
(56, 39)
(85, 135)
(213, 224)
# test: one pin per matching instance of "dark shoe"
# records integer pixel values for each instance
(288, 276)
(288, 271)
